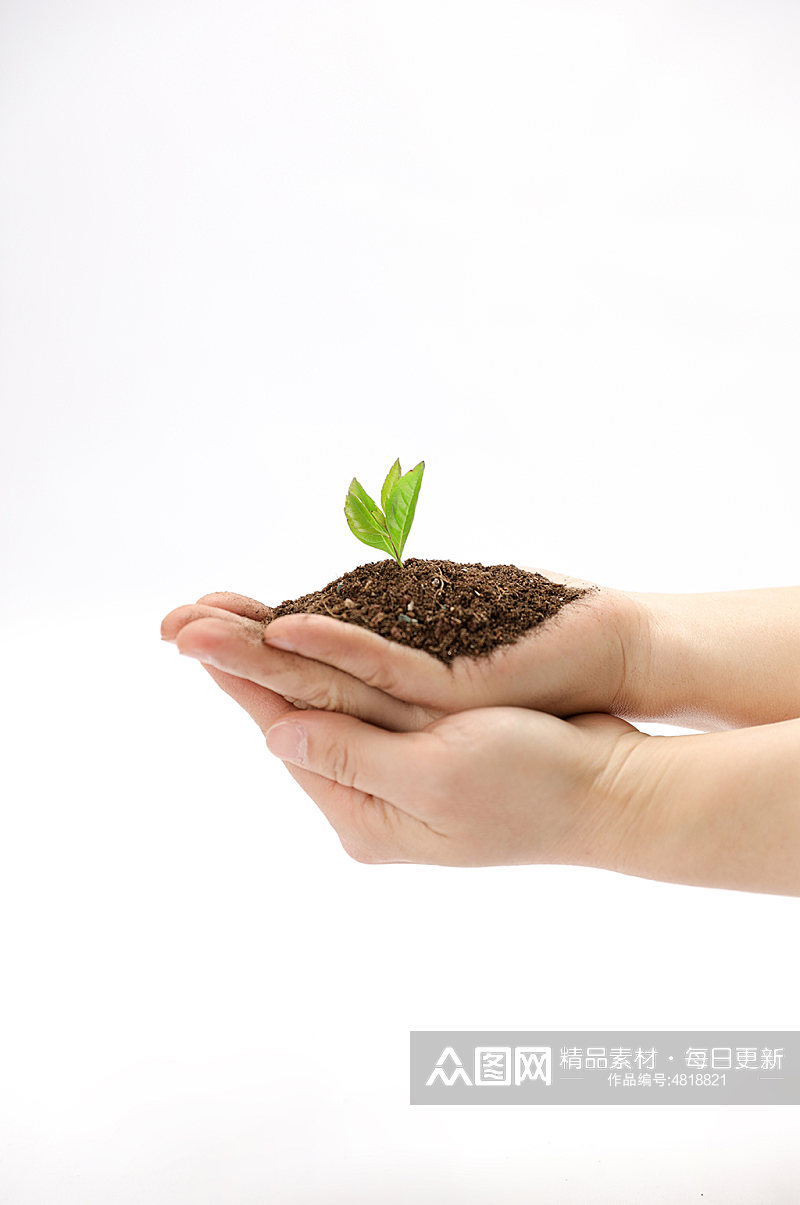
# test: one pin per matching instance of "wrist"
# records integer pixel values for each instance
(626, 814)
(679, 668)
(640, 795)
(641, 637)
(719, 809)
(662, 650)
(717, 661)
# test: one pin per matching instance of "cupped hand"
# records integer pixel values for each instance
(584, 659)
(486, 787)
(495, 786)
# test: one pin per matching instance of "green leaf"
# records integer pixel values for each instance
(361, 519)
(402, 504)
(392, 478)
(358, 490)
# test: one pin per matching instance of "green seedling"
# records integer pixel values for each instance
(386, 529)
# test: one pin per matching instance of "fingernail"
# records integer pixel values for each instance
(288, 742)
(280, 642)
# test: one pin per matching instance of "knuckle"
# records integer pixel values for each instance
(382, 676)
(319, 695)
(342, 764)
(315, 687)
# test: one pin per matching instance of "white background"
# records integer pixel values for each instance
(251, 249)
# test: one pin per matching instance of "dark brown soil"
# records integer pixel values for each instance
(447, 609)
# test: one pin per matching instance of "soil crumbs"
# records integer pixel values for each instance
(446, 608)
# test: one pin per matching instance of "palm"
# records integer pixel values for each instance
(573, 663)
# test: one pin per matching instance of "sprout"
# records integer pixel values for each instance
(386, 529)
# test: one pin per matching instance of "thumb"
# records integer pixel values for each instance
(355, 754)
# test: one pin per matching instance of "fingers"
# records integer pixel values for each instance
(403, 767)
(176, 620)
(336, 773)
(222, 604)
(250, 608)
(370, 829)
(385, 665)
(264, 706)
(236, 646)
(359, 777)
(241, 614)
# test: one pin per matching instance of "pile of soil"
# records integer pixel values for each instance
(443, 607)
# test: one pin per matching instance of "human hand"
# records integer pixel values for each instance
(511, 785)
(708, 661)
(587, 658)
(494, 786)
